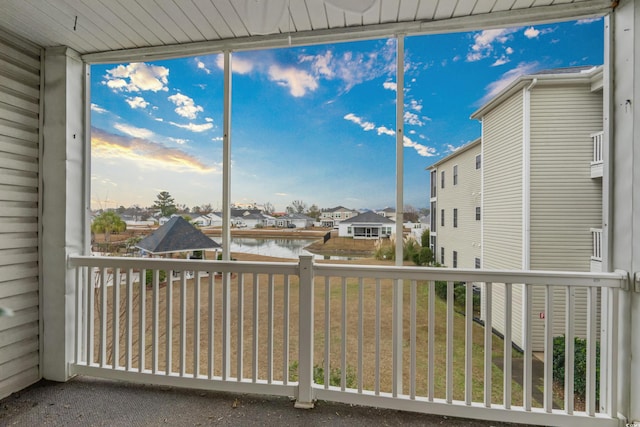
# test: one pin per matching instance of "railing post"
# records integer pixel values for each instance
(305, 396)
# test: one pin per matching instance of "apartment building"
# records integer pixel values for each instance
(534, 183)
(455, 202)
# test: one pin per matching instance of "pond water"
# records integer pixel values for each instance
(281, 248)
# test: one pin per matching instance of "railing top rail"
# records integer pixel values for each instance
(183, 264)
(534, 277)
(601, 132)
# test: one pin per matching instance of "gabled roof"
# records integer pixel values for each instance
(370, 217)
(297, 216)
(177, 235)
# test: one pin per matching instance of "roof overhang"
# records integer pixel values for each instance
(108, 31)
(459, 151)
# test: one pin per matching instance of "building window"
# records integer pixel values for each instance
(455, 259)
(455, 217)
(441, 217)
(477, 213)
(434, 183)
(433, 215)
(478, 161)
(433, 244)
(442, 179)
(477, 262)
(455, 175)
(442, 256)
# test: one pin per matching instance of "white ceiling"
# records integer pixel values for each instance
(108, 30)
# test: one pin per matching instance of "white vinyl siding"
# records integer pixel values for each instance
(502, 191)
(502, 168)
(464, 197)
(19, 123)
(565, 201)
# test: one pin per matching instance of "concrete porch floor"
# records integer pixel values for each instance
(87, 401)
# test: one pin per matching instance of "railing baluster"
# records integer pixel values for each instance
(239, 332)
(449, 375)
(360, 332)
(285, 330)
(78, 314)
(327, 330)
(211, 343)
(569, 353)
(183, 323)
(468, 344)
(129, 322)
(196, 324)
(431, 340)
(115, 311)
(226, 325)
(142, 319)
(413, 337)
(270, 302)
(169, 327)
(590, 392)
(155, 319)
(256, 323)
(506, 364)
(377, 361)
(343, 344)
(548, 349)
(91, 307)
(527, 372)
(103, 317)
(488, 344)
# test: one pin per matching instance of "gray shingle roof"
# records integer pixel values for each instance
(177, 235)
(368, 217)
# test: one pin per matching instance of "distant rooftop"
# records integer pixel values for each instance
(566, 70)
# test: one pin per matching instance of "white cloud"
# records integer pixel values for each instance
(412, 119)
(134, 131)
(137, 76)
(321, 64)
(185, 106)
(422, 150)
(496, 87)
(500, 61)
(357, 120)
(238, 64)
(193, 127)
(208, 119)
(484, 41)
(453, 149)
(202, 66)
(297, 81)
(587, 21)
(390, 86)
(96, 108)
(137, 102)
(180, 141)
(531, 33)
(509, 50)
(415, 105)
(217, 139)
(383, 130)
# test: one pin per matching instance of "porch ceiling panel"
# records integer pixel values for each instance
(105, 30)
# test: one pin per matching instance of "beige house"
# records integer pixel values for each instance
(455, 207)
(541, 203)
(333, 216)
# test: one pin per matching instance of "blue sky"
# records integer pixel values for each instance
(315, 123)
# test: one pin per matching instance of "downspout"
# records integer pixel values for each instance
(526, 178)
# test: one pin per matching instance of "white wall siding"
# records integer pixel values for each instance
(465, 196)
(565, 201)
(19, 288)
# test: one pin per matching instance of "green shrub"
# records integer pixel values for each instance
(148, 278)
(580, 364)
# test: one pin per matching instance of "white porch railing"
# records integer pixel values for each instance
(597, 159)
(340, 333)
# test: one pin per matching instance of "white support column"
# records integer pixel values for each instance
(397, 290)
(226, 160)
(305, 396)
(63, 205)
(624, 227)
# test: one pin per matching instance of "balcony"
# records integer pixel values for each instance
(351, 334)
(597, 159)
